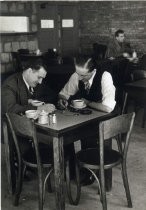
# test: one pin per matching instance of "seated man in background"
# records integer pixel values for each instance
(95, 88)
(118, 47)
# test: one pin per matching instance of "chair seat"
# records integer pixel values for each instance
(46, 155)
(91, 158)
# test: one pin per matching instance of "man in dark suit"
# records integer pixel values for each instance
(19, 90)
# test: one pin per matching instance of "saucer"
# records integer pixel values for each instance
(78, 107)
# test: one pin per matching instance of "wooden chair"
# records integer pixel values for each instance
(17, 64)
(143, 62)
(103, 158)
(138, 74)
(20, 126)
(99, 51)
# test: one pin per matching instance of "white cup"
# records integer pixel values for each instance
(78, 103)
(31, 114)
(37, 103)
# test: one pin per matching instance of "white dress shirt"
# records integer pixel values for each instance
(27, 85)
(107, 88)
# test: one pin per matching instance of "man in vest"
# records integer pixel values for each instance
(97, 90)
(95, 87)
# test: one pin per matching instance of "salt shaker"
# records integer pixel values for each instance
(54, 118)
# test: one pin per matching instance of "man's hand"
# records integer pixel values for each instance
(35, 102)
(47, 108)
(62, 103)
(30, 101)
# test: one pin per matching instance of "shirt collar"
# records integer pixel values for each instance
(90, 81)
(27, 85)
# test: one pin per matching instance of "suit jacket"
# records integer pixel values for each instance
(15, 95)
(115, 49)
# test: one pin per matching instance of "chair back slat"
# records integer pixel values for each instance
(21, 125)
(117, 125)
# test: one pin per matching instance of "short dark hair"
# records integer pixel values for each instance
(81, 60)
(119, 31)
(34, 64)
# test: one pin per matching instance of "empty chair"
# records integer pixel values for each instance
(23, 51)
(138, 74)
(34, 157)
(17, 64)
(143, 62)
(99, 51)
(102, 158)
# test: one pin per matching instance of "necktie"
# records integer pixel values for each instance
(87, 87)
(31, 90)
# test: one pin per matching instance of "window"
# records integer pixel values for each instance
(14, 24)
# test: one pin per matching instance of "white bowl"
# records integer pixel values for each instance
(33, 114)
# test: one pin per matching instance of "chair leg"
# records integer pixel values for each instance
(74, 200)
(19, 183)
(144, 118)
(47, 181)
(40, 188)
(103, 191)
(126, 184)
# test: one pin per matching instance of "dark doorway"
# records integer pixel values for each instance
(58, 27)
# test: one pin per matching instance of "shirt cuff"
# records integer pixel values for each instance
(110, 104)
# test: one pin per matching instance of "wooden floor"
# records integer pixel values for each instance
(89, 198)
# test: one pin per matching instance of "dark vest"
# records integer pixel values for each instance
(94, 93)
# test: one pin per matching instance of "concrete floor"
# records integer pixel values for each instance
(89, 198)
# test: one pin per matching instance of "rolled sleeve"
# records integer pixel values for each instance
(108, 90)
(71, 86)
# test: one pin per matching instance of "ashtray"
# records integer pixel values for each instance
(85, 111)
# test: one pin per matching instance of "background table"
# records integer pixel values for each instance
(136, 91)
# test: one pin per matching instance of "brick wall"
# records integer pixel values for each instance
(13, 42)
(99, 21)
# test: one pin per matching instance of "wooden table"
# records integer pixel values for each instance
(69, 128)
(137, 91)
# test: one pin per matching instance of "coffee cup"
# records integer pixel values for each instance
(78, 103)
(33, 114)
(37, 103)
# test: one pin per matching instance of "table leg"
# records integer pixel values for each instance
(124, 103)
(59, 172)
